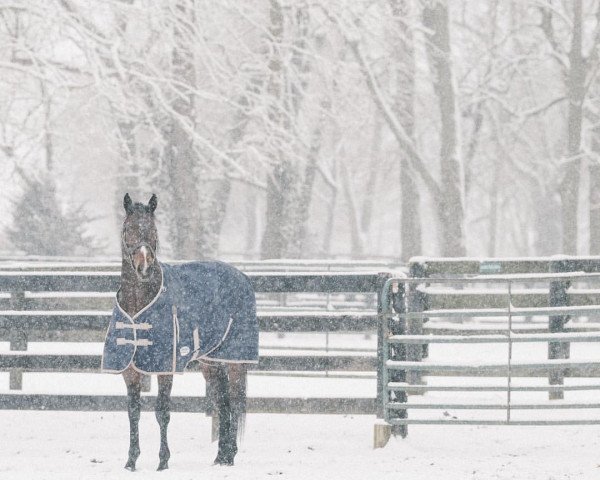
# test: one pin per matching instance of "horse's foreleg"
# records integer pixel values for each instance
(163, 416)
(134, 385)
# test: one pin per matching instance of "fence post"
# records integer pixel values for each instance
(18, 341)
(398, 352)
(381, 279)
(558, 297)
(416, 302)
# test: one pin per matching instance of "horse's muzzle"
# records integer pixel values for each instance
(143, 259)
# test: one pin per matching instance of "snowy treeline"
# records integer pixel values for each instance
(291, 128)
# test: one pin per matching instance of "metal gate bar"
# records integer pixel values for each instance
(396, 406)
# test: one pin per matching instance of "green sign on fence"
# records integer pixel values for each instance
(490, 267)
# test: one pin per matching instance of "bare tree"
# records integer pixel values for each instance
(263, 104)
(403, 106)
(450, 202)
(291, 177)
(574, 68)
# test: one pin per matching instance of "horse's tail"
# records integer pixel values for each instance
(238, 389)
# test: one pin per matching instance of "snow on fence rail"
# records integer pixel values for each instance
(468, 292)
(53, 304)
(291, 265)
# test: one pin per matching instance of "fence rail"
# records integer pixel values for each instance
(51, 302)
(187, 404)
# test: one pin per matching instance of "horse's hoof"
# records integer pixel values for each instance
(130, 466)
(228, 462)
(162, 466)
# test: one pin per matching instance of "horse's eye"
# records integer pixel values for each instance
(130, 236)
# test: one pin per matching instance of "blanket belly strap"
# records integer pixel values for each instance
(134, 326)
(142, 342)
(175, 321)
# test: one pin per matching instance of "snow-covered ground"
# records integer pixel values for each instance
(67, 445)
(93, 445)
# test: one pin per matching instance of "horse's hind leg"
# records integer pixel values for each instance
(237, 393)
(134, 386)
(216, 376)
(163, 416)
(232, 410)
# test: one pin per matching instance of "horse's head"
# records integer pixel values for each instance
(139, 237)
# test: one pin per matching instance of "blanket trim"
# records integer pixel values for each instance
(161, 290)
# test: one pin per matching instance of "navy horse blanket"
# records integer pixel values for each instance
(203, 311)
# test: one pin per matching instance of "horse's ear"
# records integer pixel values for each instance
(153, 203)
(127, 204)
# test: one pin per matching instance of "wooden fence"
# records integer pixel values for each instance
(53, 301)
(467, 302)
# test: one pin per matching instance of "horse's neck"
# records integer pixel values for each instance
(134, 294)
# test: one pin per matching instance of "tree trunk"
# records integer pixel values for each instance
(283, 231)
(373, 165)
(594, 169)
(494, 209)
(128, 178)
(356, 237)
(330, 218)
(307, 188)
(450, 208)
(216, 199)
(48, 143)
(594, 163)
(251, 224)
(546, 220)
(181, 160)
(280, 239)
(410, 223)
(181, 156)
(569, 187)
(213, 215)
(273, 241)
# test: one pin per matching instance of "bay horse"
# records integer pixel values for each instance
(167, 316)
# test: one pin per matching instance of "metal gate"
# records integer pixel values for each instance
(409, 326)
